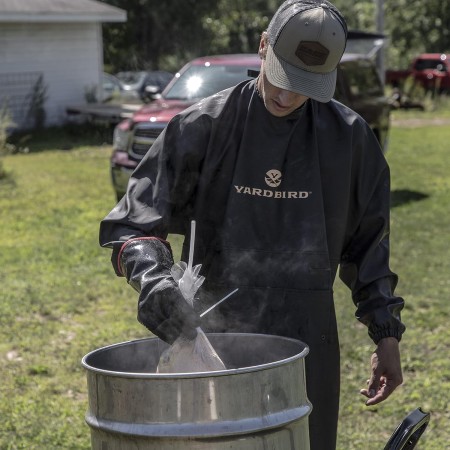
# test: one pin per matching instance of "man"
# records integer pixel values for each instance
(285, 185)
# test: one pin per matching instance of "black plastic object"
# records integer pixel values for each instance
(252, 73)
(409, 431)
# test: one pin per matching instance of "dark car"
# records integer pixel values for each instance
(358, 86)
(111, 88)
(143, 85)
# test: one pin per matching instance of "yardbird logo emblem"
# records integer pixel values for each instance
(273, 178)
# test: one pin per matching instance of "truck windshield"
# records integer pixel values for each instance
(427, 64)
(362, 79)
(202, 81)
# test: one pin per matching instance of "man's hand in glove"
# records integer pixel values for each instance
(146, 263)
(386, 372)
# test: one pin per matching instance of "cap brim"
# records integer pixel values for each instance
(318, 86)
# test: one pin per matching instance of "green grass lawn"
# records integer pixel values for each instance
(60, 298)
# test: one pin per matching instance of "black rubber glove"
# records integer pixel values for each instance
(146, 264)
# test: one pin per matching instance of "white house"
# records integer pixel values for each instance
(53, 47)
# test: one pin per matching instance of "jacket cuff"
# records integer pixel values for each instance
(377, 335)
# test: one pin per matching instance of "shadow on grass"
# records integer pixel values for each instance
(7, 182)
(403, 196)
(65, 137)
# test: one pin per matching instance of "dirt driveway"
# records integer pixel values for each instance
(418, 122)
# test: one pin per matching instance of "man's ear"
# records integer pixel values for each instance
(263, 43)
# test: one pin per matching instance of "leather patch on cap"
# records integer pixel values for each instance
(312, 53)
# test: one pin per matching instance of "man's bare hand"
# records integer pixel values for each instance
(386, 372)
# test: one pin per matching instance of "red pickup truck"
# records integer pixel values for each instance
(429, 70)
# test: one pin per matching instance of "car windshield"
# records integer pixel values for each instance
(425, 64)
(131, 78)
(198, 82)
(362, 79)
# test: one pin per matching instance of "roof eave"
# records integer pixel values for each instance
(67, 18)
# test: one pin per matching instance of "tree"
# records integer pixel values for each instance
(157, 35)
(412, 26)
(165, 34)
(236, 25)
(415, 26)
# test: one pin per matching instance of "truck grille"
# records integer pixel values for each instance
(143, 138)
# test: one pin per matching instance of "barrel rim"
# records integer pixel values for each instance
(217, 373)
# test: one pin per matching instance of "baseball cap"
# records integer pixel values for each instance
(306, 41)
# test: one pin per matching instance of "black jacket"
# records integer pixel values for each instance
(242, 175)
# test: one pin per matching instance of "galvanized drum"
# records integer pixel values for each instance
(259, 402)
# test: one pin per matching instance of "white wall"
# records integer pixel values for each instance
(69, 55)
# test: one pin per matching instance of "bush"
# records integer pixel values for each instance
(6, 125)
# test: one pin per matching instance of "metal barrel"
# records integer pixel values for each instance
(259, 402)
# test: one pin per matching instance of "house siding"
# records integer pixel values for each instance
(69, 57)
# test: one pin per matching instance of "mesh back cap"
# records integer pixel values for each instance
(306, 42)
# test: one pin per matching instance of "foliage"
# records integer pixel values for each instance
(37, 98)
(424, 28)
(359, 15)
(90, 93)
(6, 126)
(236, 26)
(60, 299)
(155, 33)
(412, 26)
(163, 35)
